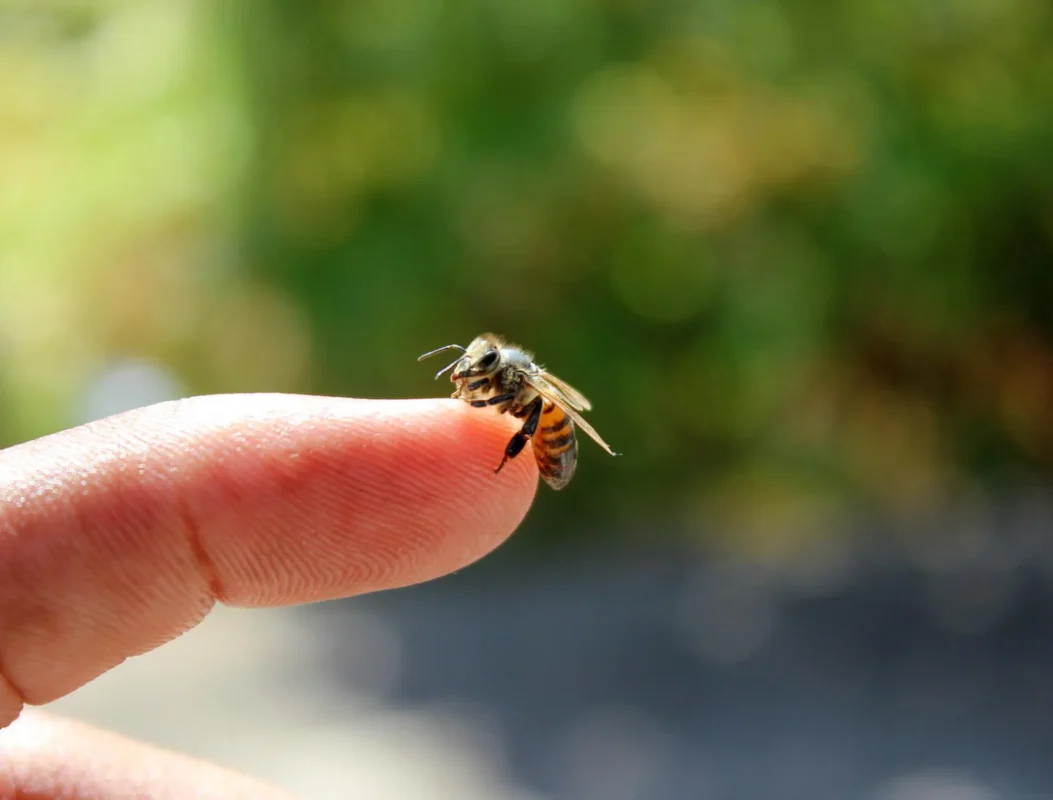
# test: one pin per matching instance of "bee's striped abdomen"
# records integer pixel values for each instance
(555, 446)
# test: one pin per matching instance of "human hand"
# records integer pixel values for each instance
(118, 536)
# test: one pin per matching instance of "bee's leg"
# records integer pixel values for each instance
(493, 401)
(518, 442)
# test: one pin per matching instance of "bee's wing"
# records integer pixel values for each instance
(570, 395)
(543, 386)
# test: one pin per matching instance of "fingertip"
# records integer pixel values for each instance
(449, 455)
(362, 495)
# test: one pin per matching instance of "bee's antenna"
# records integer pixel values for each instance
(447, 367)
(441, 349)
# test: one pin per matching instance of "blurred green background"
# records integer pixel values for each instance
(797, 254)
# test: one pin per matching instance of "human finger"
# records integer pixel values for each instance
(120, 535)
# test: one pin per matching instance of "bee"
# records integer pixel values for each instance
(493, 373)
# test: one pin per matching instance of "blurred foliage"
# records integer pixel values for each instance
(798, 254)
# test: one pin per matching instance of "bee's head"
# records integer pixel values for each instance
(482, 357)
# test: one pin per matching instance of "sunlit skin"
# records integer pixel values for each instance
(120, 535)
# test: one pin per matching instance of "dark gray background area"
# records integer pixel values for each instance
(886, 673)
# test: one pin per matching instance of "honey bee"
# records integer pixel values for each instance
(492, 372)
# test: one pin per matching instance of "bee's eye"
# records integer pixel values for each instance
(488, 360)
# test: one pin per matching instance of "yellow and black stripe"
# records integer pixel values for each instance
(555, 446)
